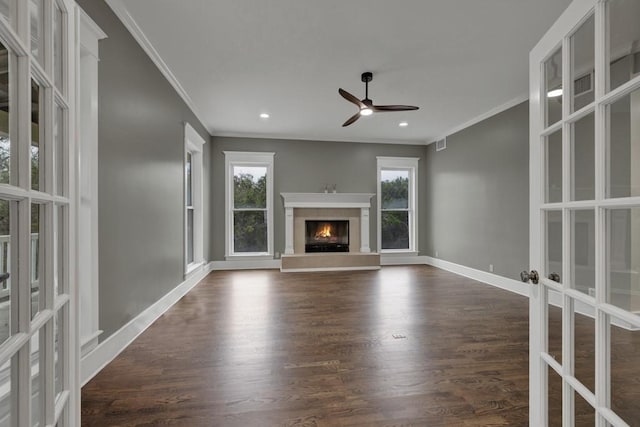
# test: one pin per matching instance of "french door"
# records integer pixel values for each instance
(38, 386)
(585, 217)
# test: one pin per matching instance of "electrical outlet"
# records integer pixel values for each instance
(491, 268)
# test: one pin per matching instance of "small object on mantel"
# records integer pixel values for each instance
(334, 188)
(326, 188)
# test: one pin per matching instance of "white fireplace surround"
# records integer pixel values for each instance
(361, 201)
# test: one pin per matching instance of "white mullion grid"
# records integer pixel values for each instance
(552, 129)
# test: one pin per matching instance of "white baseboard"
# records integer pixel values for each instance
(111, 347)
(512, 285)
(402, 260)
(246, 264)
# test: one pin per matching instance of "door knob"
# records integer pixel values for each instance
(555, 277)
(533, 277)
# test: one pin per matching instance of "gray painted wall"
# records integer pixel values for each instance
(306, 166)
(141, 184)
(476, 194)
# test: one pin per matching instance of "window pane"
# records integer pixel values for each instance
(394, 187)
(249, 187)
(5, 11)
(250, 231)
(58, 139)
(395, 230)
(5, 267)
(37, 158)
(60, 285)
(623, 163)
(554, 242)
(625, 371)
(35, 13)
(623, 258)
(553, 87)
(585, 350)
(5, 396)
(37, 255)
(625, 33)
(58, 351)
(553, 161)
(583, 248)
(57, 45)
(37, 377)
(583, 64)
(189, 236)
(188, 170)
(583, 159)
(5, 139)
(585, 413)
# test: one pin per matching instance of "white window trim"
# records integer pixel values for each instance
(246, 158)
(194, 143)
(400, 163)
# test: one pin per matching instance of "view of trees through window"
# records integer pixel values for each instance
(394, 187)
(250, 209)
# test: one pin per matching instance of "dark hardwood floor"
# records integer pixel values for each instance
(397, 347)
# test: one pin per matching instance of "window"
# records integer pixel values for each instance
(397, 204)
(249, 213)
(193, 216)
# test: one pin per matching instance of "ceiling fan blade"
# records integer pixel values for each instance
(352, 119)
(377, 108)
(346, 95)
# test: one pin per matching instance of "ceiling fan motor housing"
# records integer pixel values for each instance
(367, 77)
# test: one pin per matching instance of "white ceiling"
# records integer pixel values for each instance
(456, 59)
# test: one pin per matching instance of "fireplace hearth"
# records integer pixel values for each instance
(326, 236)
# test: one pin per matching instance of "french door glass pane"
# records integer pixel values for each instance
(553, 161)
(37, 377)
(60, 284)
(625, 59)
(189, 236)
(188, 168)
(37, 123)
(623, 258)
(5, 267)
(5, 137)
(583, 159)
(583, 64)
(250, 231)
(625, 371)
(395, 229)
(554, 398)
(57, 45)
(554, 242)
(554, 331)
(58, 140)
(553, 87)
(394, 187)
(585, 350)
(35, 16)
(58, 351)
(37, 255)
(623, 163)
(5, 396)
(249, 187)
(585, 414)
(583, 248)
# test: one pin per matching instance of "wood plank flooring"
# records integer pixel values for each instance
(403, 346)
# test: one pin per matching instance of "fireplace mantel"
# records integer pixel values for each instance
(361, 201)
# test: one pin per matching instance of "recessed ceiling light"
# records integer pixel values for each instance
(366, 112)
(403, 124)
(264, 116)
(554, 93)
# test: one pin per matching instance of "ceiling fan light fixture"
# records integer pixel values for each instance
(554, 93)
(264, 116)
(403, 124)
(366, 112)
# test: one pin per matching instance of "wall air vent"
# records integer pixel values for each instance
(441, 144)
(583, 84)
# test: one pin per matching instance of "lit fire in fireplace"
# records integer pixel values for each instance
(324, 231)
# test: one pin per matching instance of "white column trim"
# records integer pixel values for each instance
(288, 231)
(364, 230)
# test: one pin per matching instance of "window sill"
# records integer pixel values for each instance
(398, 252)
(249, 257)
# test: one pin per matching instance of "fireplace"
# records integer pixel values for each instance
(326, 236)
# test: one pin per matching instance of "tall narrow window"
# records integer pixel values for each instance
(249, 190)
(193, 214)
(397, 204)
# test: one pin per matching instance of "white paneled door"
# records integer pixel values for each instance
(38, 384)
(585, 217)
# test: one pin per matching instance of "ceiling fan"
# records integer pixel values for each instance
(365, 106)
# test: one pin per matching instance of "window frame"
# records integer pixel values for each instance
(409, 164)
(249, 159)
(193, 145)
